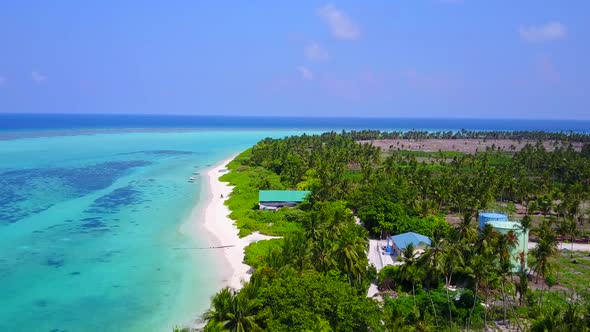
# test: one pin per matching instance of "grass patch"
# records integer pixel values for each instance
(243, 201)
(500, 158)
(257, 251)
(573, 270)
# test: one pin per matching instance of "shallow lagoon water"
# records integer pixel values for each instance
(90, 229)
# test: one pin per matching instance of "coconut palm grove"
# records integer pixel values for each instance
(316, 275)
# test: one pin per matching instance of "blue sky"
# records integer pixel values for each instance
(419, 58)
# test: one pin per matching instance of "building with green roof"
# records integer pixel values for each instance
(276, 199)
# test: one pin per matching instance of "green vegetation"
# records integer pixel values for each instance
(573, 271)
(256, 252)
(316, 277)
(306, 301)
(243, 201)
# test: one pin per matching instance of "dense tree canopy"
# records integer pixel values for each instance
(316, 277)
(300, 302)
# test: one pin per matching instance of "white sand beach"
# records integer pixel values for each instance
(217, 222)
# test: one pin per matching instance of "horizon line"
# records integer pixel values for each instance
(296, 116)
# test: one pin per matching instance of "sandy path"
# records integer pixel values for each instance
(568, 246)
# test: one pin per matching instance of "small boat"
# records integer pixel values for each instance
(196, 173)
(191, 179)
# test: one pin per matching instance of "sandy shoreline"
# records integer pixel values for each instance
(216, 221)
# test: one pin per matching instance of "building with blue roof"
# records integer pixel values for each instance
(397, 243)
(485, 217)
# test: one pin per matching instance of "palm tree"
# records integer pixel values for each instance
(322, 254)
(351, 254)
(233, 311)
(545, 250)
(545, 203)
(220, 306)
(338, 220)
(467, 233)
(452, 261)
(409, 270)
(295, 252)
(522, 285)
(569, 227)
(482, 263)
(525, 227)
(503, 247)
(274, 259)
(312, 226)
(212, 328)
(431, 259)
(481, 269)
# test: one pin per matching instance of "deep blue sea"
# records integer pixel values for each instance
(59, 122)
(93, 210)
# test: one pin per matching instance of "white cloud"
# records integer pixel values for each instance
(548, 32)
(315, 52)
(305, 72)
(38, 77)
(341, 26)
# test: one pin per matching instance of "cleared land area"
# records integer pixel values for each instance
(460, 145)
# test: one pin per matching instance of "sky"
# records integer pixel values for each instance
(391, 58)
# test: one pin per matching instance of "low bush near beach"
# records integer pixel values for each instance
(257, 251)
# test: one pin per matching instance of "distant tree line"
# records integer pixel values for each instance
(517, 135)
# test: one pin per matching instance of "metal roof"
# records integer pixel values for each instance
(282, 195)
(402, 240)
(511, 225)
(493, 215)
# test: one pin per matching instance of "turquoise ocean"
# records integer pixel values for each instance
(91, 226)
(92, 209)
